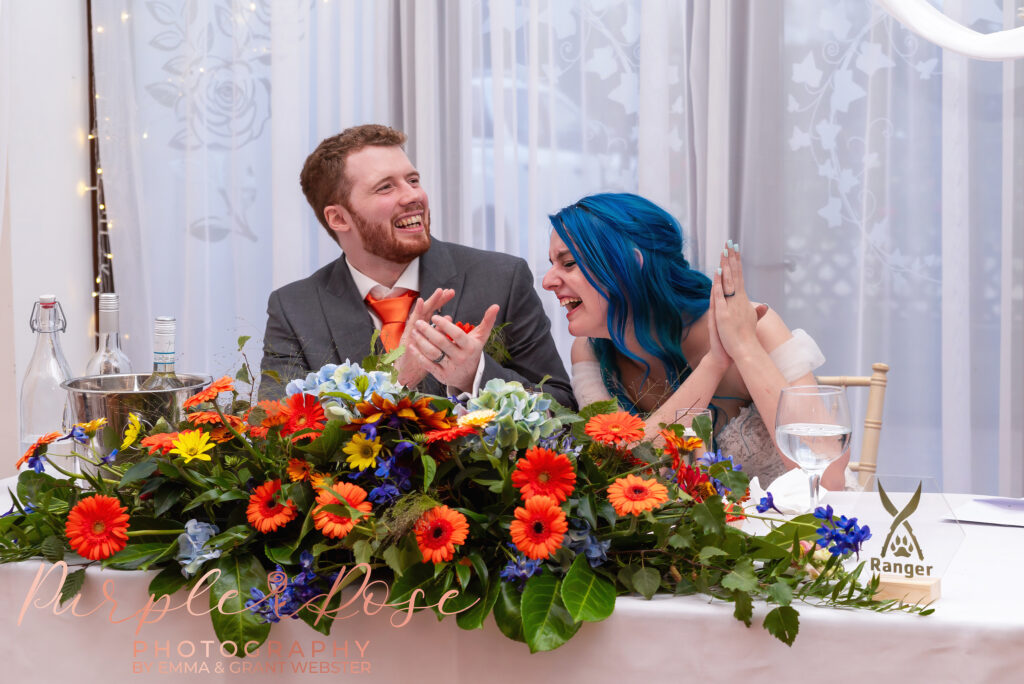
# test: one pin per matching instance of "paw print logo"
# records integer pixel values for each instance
(901, 542)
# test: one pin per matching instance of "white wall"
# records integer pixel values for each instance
(46, 234)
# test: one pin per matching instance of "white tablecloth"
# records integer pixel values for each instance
(976, 635)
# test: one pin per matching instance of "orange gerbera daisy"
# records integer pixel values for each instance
(439, 531)
(210, 393)
(676, 446)
(539, 527)
(332, 524)
(97, 527)
(298, 470)
(417, 412)
(304, 412)
(161, 441)
(542, 472)
(258, 432)
(320, 480)
(221, 433)
(45, 439)
(265, 512)
(634, 495)
(449, 434)
(615, 428)
(733, 511)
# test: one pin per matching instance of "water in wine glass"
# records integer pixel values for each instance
(812, 445)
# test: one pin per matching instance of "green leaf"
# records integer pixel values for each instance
(139, 471)
(464, 573)
(72, 585)
(281, 555)
(587, 597)
(781, 593)
(682, 539)
(243, 375)
(783, 623)
(429, 469)
(475, 616)
(134, 555)
(508, 611)
(585, 508)
(165, 498)
(231, 537)
(242, 340)
(328, 443)
(52, 548)
(742, 577)
(711, 518)
(168, 581)
(208, 496)
(744, 610)
(546, 623)
(233, 622)
(701, 425)
(362, 551)
(646, 581)
(709, 552)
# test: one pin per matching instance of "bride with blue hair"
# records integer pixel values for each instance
(659, 337)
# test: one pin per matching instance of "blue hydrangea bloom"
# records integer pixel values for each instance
(580, 539)
(192, 551)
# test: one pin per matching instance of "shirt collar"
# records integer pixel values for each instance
(409, 280)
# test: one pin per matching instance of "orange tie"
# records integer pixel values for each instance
(392, 312)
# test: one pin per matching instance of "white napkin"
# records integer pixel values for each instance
(790, 492)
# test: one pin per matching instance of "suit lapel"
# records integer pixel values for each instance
(437, 269)
(347, 318)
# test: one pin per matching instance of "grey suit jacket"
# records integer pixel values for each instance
(321, 319)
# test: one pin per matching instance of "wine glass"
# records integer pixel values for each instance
(812, 428)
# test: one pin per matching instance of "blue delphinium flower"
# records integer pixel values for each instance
(28, 508)
(520, 569)
(109, 458)
(841, 536)
(580, 539)
(192, 550)
(767, 502)
(77, 434)
(292, 593)
(369, 431)
(36, 462)
(384, 494)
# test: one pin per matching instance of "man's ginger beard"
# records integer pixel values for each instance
(382, 241)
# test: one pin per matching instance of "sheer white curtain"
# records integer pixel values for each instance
(870, 178)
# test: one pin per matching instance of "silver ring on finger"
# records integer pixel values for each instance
(440, 358)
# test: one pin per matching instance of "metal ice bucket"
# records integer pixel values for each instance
(115, 397)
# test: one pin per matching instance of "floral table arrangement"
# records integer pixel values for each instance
(505, 505)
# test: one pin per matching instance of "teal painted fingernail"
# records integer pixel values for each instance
(737, 247)
(719, 271)
(729, 242)
(725, 252)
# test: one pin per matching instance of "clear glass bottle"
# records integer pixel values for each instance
(163, 376)
(44, 403)
(108, 359)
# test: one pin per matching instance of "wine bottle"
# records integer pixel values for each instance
(108, 359)
(44, 403)
(163, 376)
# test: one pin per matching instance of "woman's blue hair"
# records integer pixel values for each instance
(659, 290)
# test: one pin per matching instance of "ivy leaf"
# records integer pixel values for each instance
(742, 577)
(646, 581)
(783, 623)
(546, 623)
(744, 610)
(72, 585)
(52, 548)
(233, 622)
(587, 597)
(781, 593)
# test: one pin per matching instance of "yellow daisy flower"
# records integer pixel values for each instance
(131, 433)
(192, 445)
(362, 453)
(477, 418)
(92, 426)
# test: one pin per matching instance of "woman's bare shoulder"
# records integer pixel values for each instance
(581, 351)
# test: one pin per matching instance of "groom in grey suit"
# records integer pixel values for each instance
(367, 195)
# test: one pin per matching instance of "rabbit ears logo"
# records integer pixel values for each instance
(901, 542)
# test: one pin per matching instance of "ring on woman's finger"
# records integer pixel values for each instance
(731, 294)
(440, 358)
